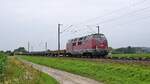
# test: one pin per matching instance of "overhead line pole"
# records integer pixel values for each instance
(28, 46)
(59, 39)
(45, 46)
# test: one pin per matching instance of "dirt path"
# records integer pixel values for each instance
(61, 76)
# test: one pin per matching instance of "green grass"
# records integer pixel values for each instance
(131, 55)
(47, 79)
(107, 72)
(3, 59)
(20, 73)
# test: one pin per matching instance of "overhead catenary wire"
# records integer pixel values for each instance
(66, 28)
(134, 20)
(115, 11)
(124, 15)
(135, 4)
(88, 26)
(110, 13)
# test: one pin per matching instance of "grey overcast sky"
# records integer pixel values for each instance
(124, 22)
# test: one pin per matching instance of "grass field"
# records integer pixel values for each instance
(136, 56)
(107, 72)
(19, 73)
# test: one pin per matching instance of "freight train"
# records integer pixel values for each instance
(94, 45)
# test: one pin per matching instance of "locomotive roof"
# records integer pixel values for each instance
(86, 36)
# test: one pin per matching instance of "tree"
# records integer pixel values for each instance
(130, 50)
(20, 50)
(8, 52)
(1, 51)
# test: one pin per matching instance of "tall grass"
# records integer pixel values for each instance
(3, 59)
(19, 73)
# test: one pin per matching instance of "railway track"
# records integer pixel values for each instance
(131, 59)
(95, 57)
(114, 59)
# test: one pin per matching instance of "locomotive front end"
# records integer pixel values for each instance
(100, 45)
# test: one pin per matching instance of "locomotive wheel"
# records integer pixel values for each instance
(87, 55)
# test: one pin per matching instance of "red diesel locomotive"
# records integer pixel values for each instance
(91, 45)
